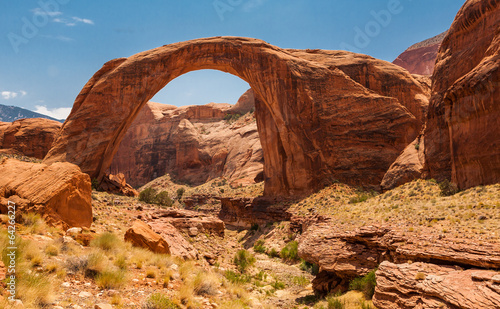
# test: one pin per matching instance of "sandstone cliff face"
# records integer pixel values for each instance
(193, 144)
(31, 137)
(462, 136)
(60, 192)
(316, 121)
(421, 57)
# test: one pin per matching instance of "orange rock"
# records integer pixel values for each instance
(60, 192)
(408, 167)
(423, 285)
(421, 57)
(31, 137)
(462, 135)
(141, 235)
(118, 185)
(322, 115)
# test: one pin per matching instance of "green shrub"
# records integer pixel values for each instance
(278, 285)
(106, 241)
(365, 284)
(311, 268)
(163, 199)
(95, 184)
(159, 301)
(259, 246)
(148, 195)
(448, 188)
(230, 118)
(290, 252)
(110, 279)
(243, 259)
(273, 253)
(180, 193)
(233, 277)
(335, 303)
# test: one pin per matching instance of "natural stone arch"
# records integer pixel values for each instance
(313, 118)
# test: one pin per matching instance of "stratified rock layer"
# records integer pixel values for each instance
(193, 144)
(423, 285)
(30, 137)
(462, 136)
(60, 192)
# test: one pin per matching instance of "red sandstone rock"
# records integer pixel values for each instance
(32, 137)
(193, 144)
(422, 285)
(408, 167)
(60, 192)
(118, 185)
(421, 57)
(462, 136)
(186, 219)
(178, 245)
(344, 254)
(141, 235)
(317, 123)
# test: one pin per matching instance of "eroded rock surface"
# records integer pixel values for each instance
(31, 137)
(60, 192)
(424, 285)
(193, 144)
(186, 219)
(117, 184)
(321, 115)
(141, 235)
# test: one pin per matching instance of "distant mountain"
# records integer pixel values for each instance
(420, 58)
(12, 113)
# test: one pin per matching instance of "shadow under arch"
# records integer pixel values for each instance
(295, 101)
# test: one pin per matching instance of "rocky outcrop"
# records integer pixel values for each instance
(423, 285)
(141, 235)
(117, 184)
(179, 246)
(408, 167)
(345, 254)
(321, 115)
(31, 137)
(184, 220)
(420, 58)
(462, 136)
(245, 212)
(60, 192)
(193, 144)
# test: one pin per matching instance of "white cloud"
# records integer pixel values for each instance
(58, 37)
(83, 20)
(39, 11)
(7, 95)
(58, 113)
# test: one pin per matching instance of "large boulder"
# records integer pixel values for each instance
(424, 285)
(60, 192)
(31, 137)
(321, 115)
(141, 235)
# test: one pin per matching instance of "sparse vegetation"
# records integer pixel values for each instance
(259, 246)
(290, 252)
(243, 260)
(163, 199)
(159, 301)
(365, 284)
(448, 188)
(148, 195)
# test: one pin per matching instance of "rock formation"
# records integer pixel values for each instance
(184, 220)
(345, 254)
(462, 136)
(117, 184)
(193, 144)
(423, 285)
(321, 115)
(31, 137)
(141, 235)
(60, 192)
(420, 58)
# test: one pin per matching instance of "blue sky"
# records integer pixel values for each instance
(50, 48)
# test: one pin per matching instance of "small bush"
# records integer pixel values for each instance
(365, 284)
(243, 259)
(148, 195)
(180, 193)
(290, 252)
(230, 118)
(163, 199)
(278, 285)
(106, 241)
(76, 264)
(311, 268)
(52, 250)
(448, 188)
(205, 284)
(110, 279)
(300, 280)
(259, 246)
(335, 303)
(273, 253)
(96, 264)
(233, 277)
(159, 301)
